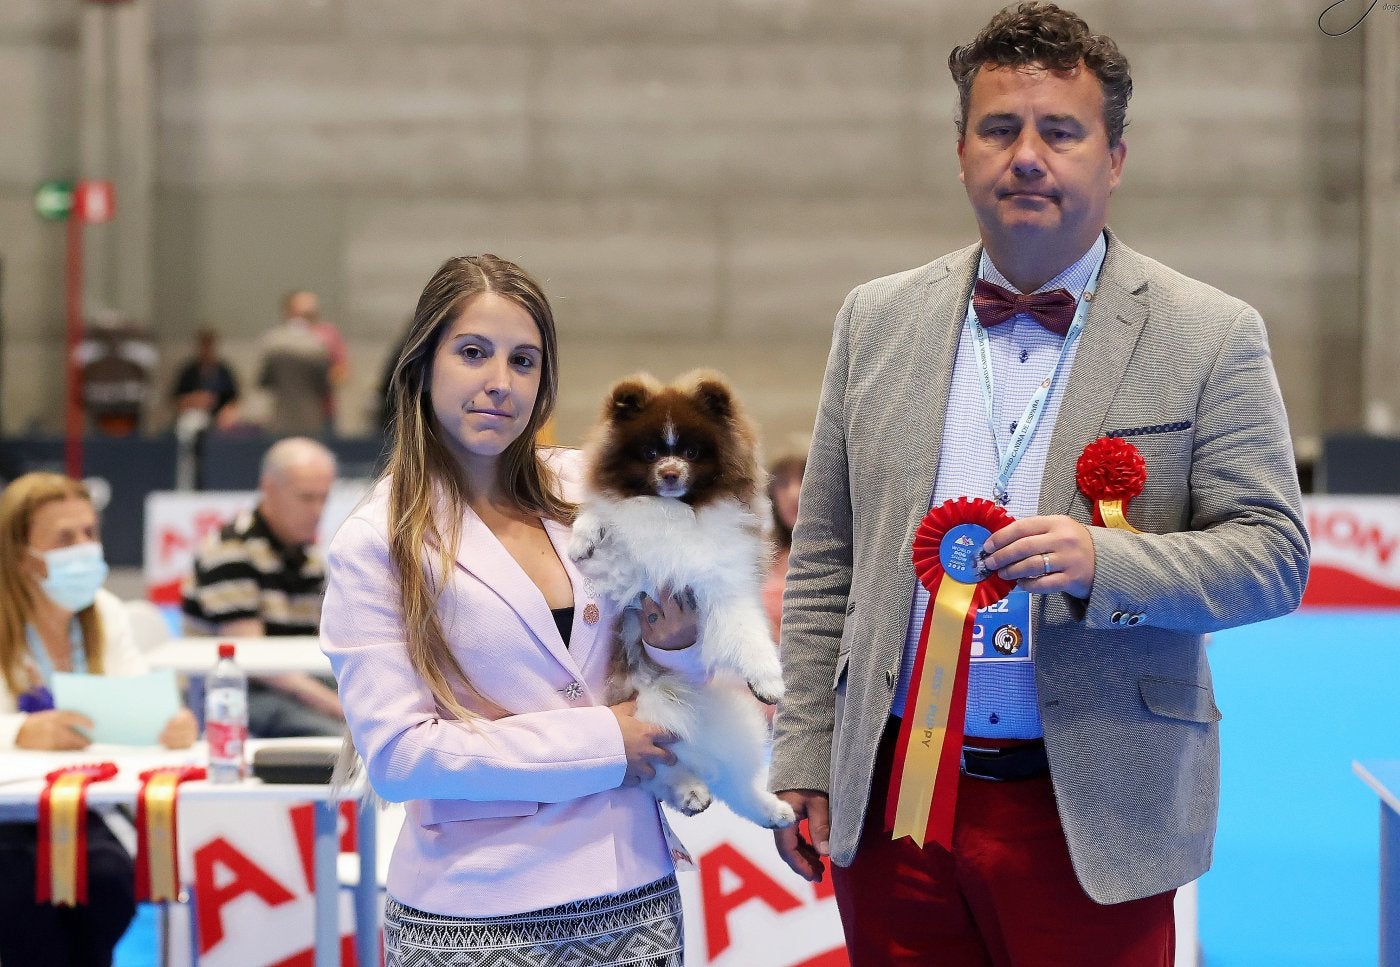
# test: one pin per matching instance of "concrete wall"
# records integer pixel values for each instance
(696, 184)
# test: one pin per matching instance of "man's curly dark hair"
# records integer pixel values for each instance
(1044, 35)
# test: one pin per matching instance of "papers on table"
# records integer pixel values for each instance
(124, 711)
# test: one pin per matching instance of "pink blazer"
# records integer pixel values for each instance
(503, 816)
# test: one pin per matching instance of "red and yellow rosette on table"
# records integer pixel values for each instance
(947, 560)
(157, 858)
(61, 865)
(1111, 472)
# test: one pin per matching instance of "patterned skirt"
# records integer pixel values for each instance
(639, 928)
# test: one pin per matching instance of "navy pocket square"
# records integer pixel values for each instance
(1176, 427)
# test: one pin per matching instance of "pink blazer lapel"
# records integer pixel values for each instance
(481, 554)
(588, 615)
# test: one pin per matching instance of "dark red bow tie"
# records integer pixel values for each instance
(1054, 309)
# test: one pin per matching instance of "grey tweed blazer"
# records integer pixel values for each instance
(1123, 683)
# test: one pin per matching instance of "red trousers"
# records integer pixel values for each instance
(1006, 896)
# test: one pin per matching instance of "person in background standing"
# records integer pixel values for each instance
(206, 384)
(303, 361)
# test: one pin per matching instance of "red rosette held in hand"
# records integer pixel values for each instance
(928, 545)
(1111, 472)
(947, 558)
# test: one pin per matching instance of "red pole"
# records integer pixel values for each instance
(73, 423)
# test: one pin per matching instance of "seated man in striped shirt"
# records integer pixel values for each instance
(264, 575)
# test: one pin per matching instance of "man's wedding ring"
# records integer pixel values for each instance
(1046, 559)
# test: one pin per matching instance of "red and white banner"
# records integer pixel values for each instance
(1355, 541)
(250, 867)
(743, 906)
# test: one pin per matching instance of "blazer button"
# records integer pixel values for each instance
(1117, 618)
(890, 678)
(1134, 619)
(573, 691)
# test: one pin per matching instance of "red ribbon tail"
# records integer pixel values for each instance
(945, 801)
(143, 847)
(81, 866)
(43, 868)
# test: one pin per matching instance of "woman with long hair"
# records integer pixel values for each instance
(56, 617)
(472, 660)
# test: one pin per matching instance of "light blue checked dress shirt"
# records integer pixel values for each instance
(1001, 699)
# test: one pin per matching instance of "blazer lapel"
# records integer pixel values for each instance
(583, 634)
(485, 557)
(1111, 331)
(936, 335)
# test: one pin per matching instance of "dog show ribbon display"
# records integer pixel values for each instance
(948, 562)
(1111, 472)
(157, 858)
(61, 864)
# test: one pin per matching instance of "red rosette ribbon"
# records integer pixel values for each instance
(928, 540)
(924, 779)
(61, 864)
(1111, 472)
(157, 853)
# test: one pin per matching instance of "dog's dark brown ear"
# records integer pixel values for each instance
(714, 397)
(626, 400)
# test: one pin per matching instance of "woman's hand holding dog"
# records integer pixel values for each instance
(670, 622)
(645, 744)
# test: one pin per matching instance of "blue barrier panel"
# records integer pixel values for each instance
(231, 461)
(1295, 881)
(120, 470)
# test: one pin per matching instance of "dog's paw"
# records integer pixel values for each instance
(693, 799)
(586, 542)
(768, 689)
(779, 814)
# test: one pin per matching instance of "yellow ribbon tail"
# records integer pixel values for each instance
(65, 813)
(160, 836)
(931, 697)
(1114, 516)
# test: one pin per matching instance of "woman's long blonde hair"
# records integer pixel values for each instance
(18, 505)
(428, 494)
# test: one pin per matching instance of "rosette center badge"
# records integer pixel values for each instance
(960, 552)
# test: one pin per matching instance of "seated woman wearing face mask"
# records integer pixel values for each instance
(55, 616)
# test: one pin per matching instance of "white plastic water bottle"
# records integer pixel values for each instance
(226, 718)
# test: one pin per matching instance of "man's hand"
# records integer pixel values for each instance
(671, 622)
(645, 744)
(803, 856)
(55, 731)
(1043, 555)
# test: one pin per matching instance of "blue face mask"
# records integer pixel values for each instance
(75, 574)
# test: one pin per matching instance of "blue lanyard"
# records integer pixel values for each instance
(41, 654)
(1010, 459)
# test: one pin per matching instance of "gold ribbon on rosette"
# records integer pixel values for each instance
(157, 853)
(1111, 472)
(61, 864)
(947, 560)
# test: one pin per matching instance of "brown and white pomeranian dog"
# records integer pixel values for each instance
(676, 500)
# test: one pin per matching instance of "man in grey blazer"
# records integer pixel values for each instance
(1090, 773)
